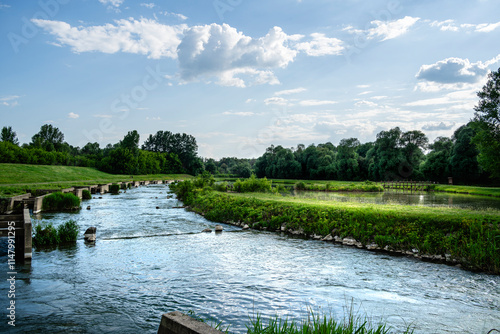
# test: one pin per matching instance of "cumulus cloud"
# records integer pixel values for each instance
(223, 52)
(438, 126)
(452, 70)
(143, 36)
(320, 45)
(385, 30)
(148, 5)
(204, 52)
(73, 115)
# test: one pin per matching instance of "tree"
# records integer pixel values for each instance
(436, 166)
(463, 160)
(131, 142)
(486, 122)
(8, 135)
(347, 163)
(49, 138)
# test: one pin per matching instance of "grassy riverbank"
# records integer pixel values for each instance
(470, 238)
(16, 179)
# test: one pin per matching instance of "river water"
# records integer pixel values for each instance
(150, 261)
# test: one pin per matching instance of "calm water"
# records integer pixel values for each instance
(150, 261)
(406, 198)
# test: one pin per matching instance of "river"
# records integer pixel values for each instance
(149, 261)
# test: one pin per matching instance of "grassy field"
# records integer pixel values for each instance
(16, 179)
(471, 190)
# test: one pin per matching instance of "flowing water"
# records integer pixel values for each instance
(150, 261)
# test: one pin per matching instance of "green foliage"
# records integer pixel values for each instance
(60, 201)
(68, 232)
(8, 135)
(45, 236)
(463, 158)
(300, 185)
(49, 236)
(86, 194)
(319, 324)
(487, 125)
(252, 184)
(114, 189)
(473, 238)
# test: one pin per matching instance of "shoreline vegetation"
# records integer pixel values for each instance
(466, 238)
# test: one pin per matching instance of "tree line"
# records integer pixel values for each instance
(162, 153)
(471, 155)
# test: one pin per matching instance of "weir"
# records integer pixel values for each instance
(18, 227)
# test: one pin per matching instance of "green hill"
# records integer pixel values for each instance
(19, 178)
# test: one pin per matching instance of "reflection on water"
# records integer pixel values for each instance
(149, 261)
(405, 198)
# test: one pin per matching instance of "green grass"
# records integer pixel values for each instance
(16, 179)
(471, 190)
(469, 237)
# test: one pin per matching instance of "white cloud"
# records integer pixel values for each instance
(451, 25)
(321, 46)
(290, 91)
(113, 3)
(453, 70)
(9, 101)
(73, 115)
(386, 30)
(276, 100)
(438, 126)
(312, 103)
(179, 16)
(146, 37)
(223, 52)
(239, 113)
(4, 6)
(148, 5)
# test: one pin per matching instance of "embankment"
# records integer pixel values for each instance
(467, 238)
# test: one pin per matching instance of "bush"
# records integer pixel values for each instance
(253, 184)
(49, 236)
(114, 189)
(60, 202)
(45, 236)
(68, 232)
(300, 185)
(86, 194)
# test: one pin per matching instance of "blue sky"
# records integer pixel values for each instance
(241, 75)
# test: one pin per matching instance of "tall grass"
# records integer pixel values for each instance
(320, 324)
(49, 236)
(60, 202)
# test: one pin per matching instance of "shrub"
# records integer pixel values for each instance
(300, 185)
(45, 236)
(59, 201)
(68, 232)
(253, 184)
(114, 189)
(86, 194)
(49, 236)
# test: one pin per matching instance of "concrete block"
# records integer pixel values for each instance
(179, 323)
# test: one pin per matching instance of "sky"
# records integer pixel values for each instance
(241, 75)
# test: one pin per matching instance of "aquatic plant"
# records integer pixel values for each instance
(46, 235)
(86, 194)
(61, 201)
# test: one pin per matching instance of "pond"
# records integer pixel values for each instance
(435, 199)
(149, 261)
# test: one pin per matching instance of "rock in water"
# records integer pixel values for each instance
(90, 234)
(246, 227)
(207, 230)
(88, 207)
(218, 228)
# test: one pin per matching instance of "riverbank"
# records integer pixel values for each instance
(17, 179)
(467, 238)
